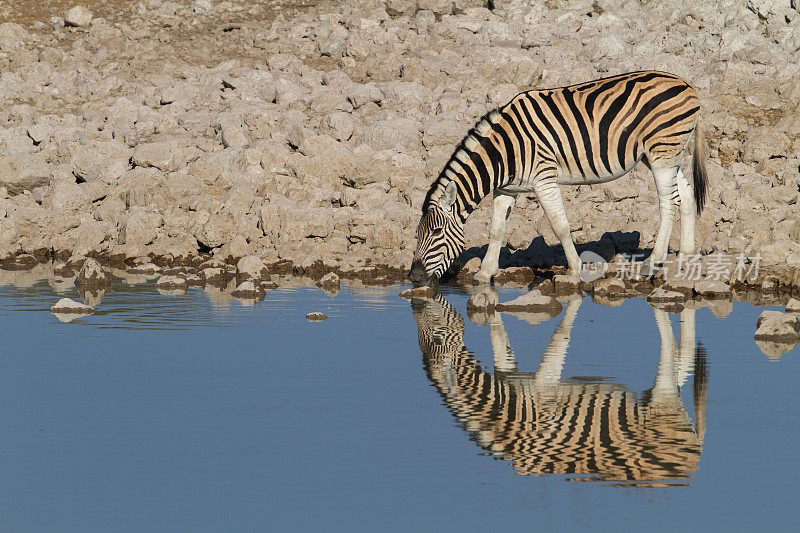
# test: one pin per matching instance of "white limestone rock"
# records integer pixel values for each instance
(12, 36)
(662, 295)
(778, 327)
(316, 316)
(92, 276)
(482, 301)
(251, 267)
(533, 301)
(78, 16)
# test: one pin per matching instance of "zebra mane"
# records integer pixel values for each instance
(450, 171)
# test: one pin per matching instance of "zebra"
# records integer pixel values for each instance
(544, 424)
(587, 133)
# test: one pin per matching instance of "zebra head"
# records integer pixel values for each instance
(440, 238)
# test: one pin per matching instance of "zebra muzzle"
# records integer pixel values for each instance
(418, 276)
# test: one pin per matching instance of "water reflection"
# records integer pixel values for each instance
(545, 424)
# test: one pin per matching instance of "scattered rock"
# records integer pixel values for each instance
(316, 316)
(329, 281)
(533, 301)
(566, 284)
(418, 292)
(171, 282)
(146, 268)
(67, 306)
(251, 267)
(352, 113)
(214, 276)
(778, 327)
(77, 16)
(681, 285)
(710, 288)
(662, 295)
(515, 275)
(12, 35)
(482, 301)
(159, 155)
(249, 290)
(21, 172)
(92, 276)
(610, 286)
(793, 306)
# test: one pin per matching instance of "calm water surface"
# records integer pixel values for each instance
(198, 413)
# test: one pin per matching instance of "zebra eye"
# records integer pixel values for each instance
(438, 231)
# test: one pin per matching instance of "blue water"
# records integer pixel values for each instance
(185, 413)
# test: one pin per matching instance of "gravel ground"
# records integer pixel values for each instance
(306, 134)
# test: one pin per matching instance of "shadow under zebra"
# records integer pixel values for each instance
(544, 424)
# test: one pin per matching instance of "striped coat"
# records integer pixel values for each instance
(588, 133)
(542, 424)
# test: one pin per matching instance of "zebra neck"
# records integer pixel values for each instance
(483, 162)
(473, 182)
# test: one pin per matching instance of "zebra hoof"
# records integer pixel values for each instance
(650, 269)
(482, 278)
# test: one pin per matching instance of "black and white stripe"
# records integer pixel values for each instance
(562, 426)
(581, 134)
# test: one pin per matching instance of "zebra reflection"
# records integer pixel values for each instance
(544, 424)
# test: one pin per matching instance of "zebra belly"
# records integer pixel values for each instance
(579, 179)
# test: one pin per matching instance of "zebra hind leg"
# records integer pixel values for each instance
(668, 200)
(501, 210)
(687, 207)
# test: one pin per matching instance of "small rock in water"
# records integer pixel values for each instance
(171, 282)
(515, 275)
(482, 301)
(147, 268)
(249, 290)
(251, 267)
(329, 281)
(681, 285)
(565, 284)
(609, 286)
(793, 306)
(778, 327)
(316, 316)
(269, 285)
(91, 276)
(214, 276)
(62, 270)
(78, 16)
(193, 280)
(663, 295)
(66, 305)
(418, 292)
(534, 301)
(712, 288)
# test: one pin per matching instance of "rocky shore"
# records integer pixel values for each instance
(188, 135)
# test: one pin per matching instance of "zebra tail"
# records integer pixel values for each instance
(699, 169)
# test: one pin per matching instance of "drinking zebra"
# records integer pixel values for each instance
(544, 424)
(588, 133)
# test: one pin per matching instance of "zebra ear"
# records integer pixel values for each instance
(449, 196)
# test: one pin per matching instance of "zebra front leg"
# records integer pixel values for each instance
(501, 210)
(687, 206)
(504, 358)
(549, 195)
(668, 198)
